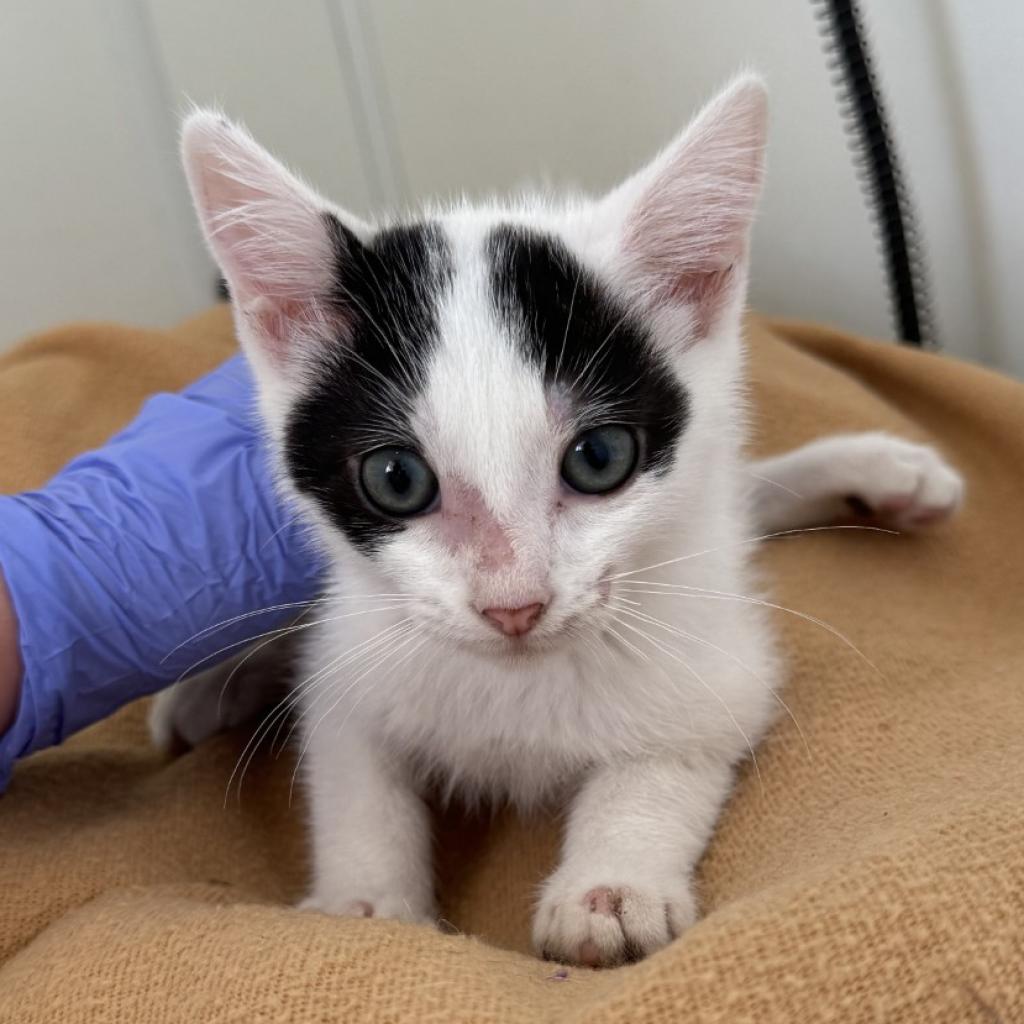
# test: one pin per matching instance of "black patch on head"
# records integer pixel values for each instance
(584, 339)
(385, 296)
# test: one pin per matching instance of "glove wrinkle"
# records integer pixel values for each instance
(138, 547)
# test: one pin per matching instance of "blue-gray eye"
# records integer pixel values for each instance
(398, 481)
(600, 460)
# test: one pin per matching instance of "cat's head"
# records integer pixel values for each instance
(496, 406)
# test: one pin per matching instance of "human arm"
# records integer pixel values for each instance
(120, 563)
(10, 660)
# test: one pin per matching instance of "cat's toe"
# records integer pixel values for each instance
(393, 906)
(351, 908)
(607, 925)
(178, 721)
(162, 732)
(904, 485)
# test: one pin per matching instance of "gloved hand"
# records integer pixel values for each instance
(120, 565)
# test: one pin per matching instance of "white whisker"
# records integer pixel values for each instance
(748, 540)
(401, 629)
(239, 618)
(664, 648)
(775, 483)
(581, 382)
(285, 631)
(288, 522)
(283, 706)
(362, 675)
(568, 323)
(673, 590)
(249, 654)
(701, 641)
(391, 670)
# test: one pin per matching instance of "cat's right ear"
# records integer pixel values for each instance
(277, 242)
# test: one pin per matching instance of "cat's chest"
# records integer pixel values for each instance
(527, 727)
(519, 731)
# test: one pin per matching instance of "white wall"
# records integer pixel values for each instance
(91, 206)
(584, 92)
(383, 103)
(984, 43)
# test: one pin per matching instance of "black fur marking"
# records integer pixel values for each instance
(385, 300)
(586, 341)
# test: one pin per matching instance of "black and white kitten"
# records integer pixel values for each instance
(517, 432)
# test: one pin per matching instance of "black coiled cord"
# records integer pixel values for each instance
(878, 168)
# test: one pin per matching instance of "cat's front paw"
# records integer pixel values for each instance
(388, 905)
(901, 484)
(607, 924)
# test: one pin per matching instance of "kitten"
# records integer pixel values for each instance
(517, 431)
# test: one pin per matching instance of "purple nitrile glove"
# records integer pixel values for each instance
(121, 562)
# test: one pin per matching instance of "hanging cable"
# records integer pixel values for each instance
(878, 167)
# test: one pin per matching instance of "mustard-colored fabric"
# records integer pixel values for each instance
(873, 873)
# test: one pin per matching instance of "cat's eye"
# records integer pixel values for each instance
(398, 481)
(601, 459)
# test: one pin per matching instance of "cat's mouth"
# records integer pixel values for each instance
(532, 648)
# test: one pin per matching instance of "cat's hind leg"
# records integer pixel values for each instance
(221, 698)
(872, 477)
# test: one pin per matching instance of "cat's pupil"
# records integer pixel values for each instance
(595, 451)
(600, 460)
(397, 477)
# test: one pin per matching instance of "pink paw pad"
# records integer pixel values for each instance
(930, 515)
(360, 908)
(893, 506)
(603, 900)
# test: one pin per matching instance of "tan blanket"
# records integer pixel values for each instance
(874, 873)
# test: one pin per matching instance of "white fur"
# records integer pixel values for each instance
(906, 485)
(637, 694)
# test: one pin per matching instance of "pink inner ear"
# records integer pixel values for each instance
(279, 322)
(687, 238)
(686, 232)
(702, 293)
(267, 229)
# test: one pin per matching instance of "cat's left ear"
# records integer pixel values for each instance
(681, 225)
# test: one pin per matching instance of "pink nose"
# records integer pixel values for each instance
(515, 621)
